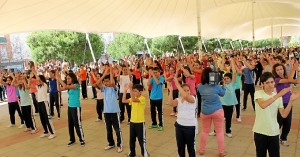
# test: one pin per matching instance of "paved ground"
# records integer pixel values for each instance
(16, 143)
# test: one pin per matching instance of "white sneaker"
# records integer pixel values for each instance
(11, 125)
(212, 134)
(172, 114)
(51, 136)
(284, 143)
(97, 120)
(58, 118)
(229, 135)
(239, 119)
(34, 131)
(21, 126)
(27, 129)
(44, 135)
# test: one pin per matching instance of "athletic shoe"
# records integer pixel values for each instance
(160, 128)
(58, 118)
(239, 119)
(27, 129)
(11, 125)
(119, 149)
(172, 114)
(284, 143)
(51, 136)
(243, 109)
(176, 114)
(71, 143)
(82, 143)
(34, 131)
(229, 135)
(152, 126)
(21, 126)
(97, 120)
(109, 147)
(44, 135)
(212, 134)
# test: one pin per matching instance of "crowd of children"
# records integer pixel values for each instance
(119, 86)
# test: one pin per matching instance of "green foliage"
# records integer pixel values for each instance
(124, 44)
(49, 45)
(163, 44)
(295, 41)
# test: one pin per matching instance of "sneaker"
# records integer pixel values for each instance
(243, 109)
(44, 135)
(71, 143)
(34, 131)
(229, 135)
(160, 128)
(284, 143)
(239, 119)
(128, 123)
(51, 136)
(82, 143)
(119, 149)
(27, 129)
(11, 125)
(58, 118)
(212, 134)
(152, 126)
(172, 114)
(109, 147)
(97, 120)
(176, 115)
(21, 126)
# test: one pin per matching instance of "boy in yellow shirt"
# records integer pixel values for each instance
(137, 120)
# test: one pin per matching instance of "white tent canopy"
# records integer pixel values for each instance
(152, 18)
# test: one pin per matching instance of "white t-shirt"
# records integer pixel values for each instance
(266, 119)
(124, 79)
(186, 113)
(42, 93)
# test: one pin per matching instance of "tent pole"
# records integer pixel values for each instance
(90, 45)
(146, 43)
(220, 44)
(204, 45)
(272, 31)
(199, 28)
(281, 36)
(241, 44)
(231, 45)
(253, 32)
(181, 44)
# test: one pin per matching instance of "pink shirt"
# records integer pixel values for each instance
(173, 82)
(191, 83)
(11, 93)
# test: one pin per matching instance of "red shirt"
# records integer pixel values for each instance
(198, 78)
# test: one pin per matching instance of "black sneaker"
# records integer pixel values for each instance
(82, 143)
(71, 143)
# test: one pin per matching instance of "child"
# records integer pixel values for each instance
(156, 97)
(26, 103)
(111, 109)
(268, 103)
(43, 108)
(186, 122)
(137, 122)
(74, 107)
(100, 96)
(12, 100)
(124, 79)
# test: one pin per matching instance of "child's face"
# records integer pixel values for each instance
(125, 71)
(227, 80)
(155, 73)
(186, 89)
(269, 85)
(136, 93)
(69, 80)
(280, 71)
(106, 82)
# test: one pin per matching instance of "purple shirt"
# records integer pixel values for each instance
(11, 93)
(279, 87)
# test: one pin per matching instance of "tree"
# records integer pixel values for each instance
(71, 46)
(124, 44)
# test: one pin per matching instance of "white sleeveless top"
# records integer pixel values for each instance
(186, 113)
(124, 80)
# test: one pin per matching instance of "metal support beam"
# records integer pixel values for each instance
(179, 37)
(146, 43)
(203, 42)
(220, 44)
(199, 28)
(90, 45)
(253, 26)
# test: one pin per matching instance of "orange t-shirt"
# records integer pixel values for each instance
(82, 75)
(33, 83)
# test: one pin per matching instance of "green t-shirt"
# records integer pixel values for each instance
(266, 119)
(238, 81)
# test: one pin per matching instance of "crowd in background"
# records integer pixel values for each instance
(117, 87)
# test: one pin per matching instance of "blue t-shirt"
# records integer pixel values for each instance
(210, 98)
(74, 96)
(229, 99)
(248, 76)
(53, 86)
(110, 100)
(156, 92)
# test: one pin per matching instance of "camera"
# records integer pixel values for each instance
(215, 78)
